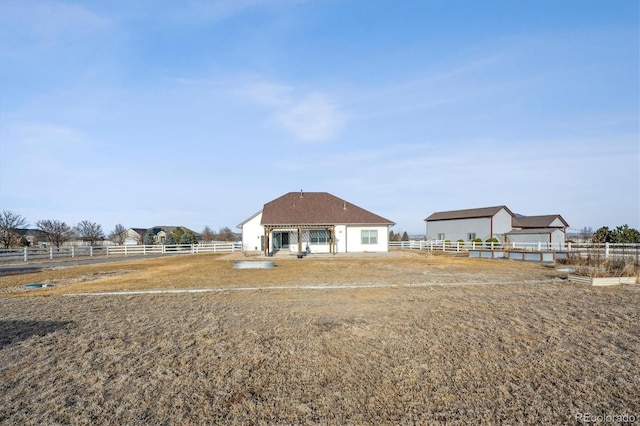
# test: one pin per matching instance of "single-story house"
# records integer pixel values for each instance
(30, 235)
(496, 222)
(315, 222)
(134, 236)
(160, 233)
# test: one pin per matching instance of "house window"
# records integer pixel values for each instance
(369, 236)
(441, 236)
(471, 236)
(319, 237)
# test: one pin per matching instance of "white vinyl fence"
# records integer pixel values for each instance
(582, 249)
(26, 254)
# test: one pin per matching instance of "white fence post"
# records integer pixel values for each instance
(50, 252)
(73, 252)
(606, 250)
(26, 254)
(91, 251)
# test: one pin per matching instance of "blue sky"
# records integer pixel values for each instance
(197, 113)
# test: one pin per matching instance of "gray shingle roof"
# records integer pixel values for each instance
(310, 208)
(537, 221)
(468, 213)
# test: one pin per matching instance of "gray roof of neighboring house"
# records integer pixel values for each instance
(468, 213)
(169, 229)
(537, 221)
(311, 208)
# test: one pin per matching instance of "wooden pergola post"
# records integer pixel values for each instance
(267, 233)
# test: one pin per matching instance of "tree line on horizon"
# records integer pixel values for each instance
(620, 234)
(57, 232)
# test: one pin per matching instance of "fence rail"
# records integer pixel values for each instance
(26, 254)
(581, 249)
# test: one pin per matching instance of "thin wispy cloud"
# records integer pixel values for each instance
(306, 117)
(50, 23)
(314, 118)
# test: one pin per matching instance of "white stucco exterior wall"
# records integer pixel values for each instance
(354, 239)
(348, 238)
(252, 232)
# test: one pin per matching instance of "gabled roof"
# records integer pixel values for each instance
(538, 221)
(139, 231)
(248, 219)
(169, 229)
(311, 208)
(27, 231)
(468, 213)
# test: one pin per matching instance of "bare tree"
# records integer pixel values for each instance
(208, 235)
(55, 231)
(9, 224)
(225, 234)
(118, 235)
(586, 233)
(89, 231)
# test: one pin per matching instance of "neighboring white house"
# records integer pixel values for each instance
(496, 222)
(469, 224)
(134, 236)
(317, 222)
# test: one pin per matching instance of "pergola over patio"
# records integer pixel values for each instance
(299, 228)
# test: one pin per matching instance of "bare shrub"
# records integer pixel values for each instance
(598, 266)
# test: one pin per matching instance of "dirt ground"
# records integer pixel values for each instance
(429, 345)
(217, 271)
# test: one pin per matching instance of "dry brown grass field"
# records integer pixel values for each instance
(441, 339)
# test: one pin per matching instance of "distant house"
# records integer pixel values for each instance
(31, 236)
(317, 222)
(496, 222)
(134, 236)
(160, 233)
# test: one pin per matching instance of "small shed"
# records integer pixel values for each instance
(553, 237)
